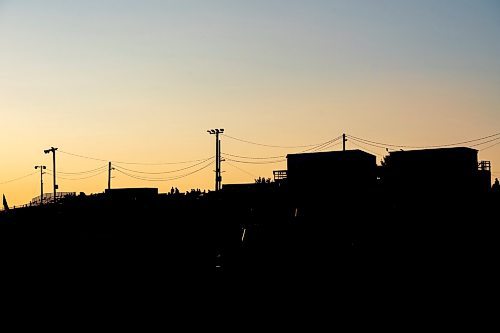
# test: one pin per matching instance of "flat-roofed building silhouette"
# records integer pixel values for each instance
(435, 171)
(133, 194)
(334, 172)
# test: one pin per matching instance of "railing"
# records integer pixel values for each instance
(484, 166)
(280, 175)
(48, 197)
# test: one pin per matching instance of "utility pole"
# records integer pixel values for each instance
(110, 168)
(218, 174)
(53, 151)
(344, 140)
(41, 167)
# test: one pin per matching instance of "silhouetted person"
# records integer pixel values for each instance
(496, 187)
(172, 191)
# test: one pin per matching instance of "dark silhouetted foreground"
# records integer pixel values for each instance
(421, 213)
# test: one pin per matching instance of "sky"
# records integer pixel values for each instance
(142, 81)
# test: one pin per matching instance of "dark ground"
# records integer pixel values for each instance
(345, 236)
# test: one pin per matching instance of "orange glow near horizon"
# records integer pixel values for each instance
(142, 82)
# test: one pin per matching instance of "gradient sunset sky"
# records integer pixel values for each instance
(142, 81)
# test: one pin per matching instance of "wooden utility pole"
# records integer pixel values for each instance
(110, 168)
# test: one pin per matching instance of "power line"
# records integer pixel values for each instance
(19, 178)
(254, 162)
(321, 146)
(483, 143)
(496, 144)
(429, 146)
(255, 158)
(366, 143)
(270, 146)
(82, 156)
(81, 178)
(160, 179)
(130, 163)
(82, 172)
(163, 172)
(364, 148)
(242, 170)
(329, 146)
(164, 179)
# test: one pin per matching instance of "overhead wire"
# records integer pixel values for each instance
(163, 179)
(254, 158)
(321, 146)
(130, 163)
(329, 146)
(483, 143)
(80, 178)
(357, 141)
(163, 163)
(313, 147)
(351, 139)
(162, 172)
(82, 156)
(431, 146)
(80, 172)
(270, 146)
(253, 162)
(16, 179)
(364, 148)
(493, 145)
(241, 169)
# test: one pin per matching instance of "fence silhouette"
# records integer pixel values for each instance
(48, 197)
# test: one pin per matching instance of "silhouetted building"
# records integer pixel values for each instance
(436, 171)
(280, 176)
(133, 194)
(331, 173)
(484, 170)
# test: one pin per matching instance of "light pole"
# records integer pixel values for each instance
(218, 176)
(41, 167)
(53, 151)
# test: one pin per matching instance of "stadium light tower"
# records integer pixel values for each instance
(218, 174)
(41, 167)
(53, 151)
